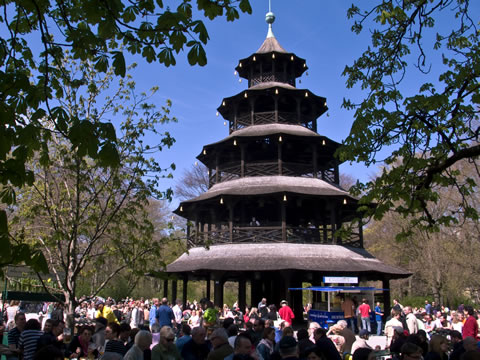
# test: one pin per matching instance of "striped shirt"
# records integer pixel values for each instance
(28, 342)
(116, 346)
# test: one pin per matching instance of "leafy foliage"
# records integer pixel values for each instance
(426, 130)
(81, 212)
(35, 36)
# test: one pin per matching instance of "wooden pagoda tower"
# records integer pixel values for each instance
(274, 201)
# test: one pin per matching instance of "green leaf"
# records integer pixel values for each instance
(119, 63)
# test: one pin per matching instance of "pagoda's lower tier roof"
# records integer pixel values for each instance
(270, 129)
(283, 256)
(258, 185)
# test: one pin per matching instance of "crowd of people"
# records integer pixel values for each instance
(155, 329)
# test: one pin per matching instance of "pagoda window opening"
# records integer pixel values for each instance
(264, 110)
(306, 113)
(286, 103)
(243, 116)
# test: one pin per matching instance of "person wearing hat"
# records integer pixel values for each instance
(105, 312)
(286, 312)
(288, 348)
(361, 342)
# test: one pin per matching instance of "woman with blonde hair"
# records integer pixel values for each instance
(437, 349)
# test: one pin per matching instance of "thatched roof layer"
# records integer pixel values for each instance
(282, 256)
(272, 184)
(269, 45)
(271, 84)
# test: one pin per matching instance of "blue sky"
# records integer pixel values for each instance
(317, 31)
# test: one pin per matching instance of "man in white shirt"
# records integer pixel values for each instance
(178, 313)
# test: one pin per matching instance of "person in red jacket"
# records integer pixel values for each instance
(286, 312)
(470, 328)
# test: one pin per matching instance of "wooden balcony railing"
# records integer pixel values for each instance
(269, 234)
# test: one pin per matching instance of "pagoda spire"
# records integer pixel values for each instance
(270, 19)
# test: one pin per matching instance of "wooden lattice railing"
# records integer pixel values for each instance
(269, 234)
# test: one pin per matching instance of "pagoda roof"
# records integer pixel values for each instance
(258, 185)
(269, 45)
(270, 84)
(283, 256)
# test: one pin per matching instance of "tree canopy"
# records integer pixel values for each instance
(425, 130)
(35, 36)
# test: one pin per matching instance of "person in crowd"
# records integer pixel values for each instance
(334, 334)
(29, 339)
(390, 324)
(286, 312)
(326, 345)
(99, 333)
(457, 323)
(272, 313)
(397, 306)
(143, 339)
(311, 329)
(197, 348)
(82, 344)
(184, 337)
(266, 345)
(54, 337)
(429, 324)
(57, 313)
(365, 311)
(47, 325)
(288, 348)
(114, 344)
(378, 318)
(194, 319)
(361, 342)
(262, 307)
(125, 333)
(411, 320)
(258, 329)
(14, 335)
(105, 312)
(437, 349)
(152, 314)
(253, 314)
(470, 328)
(178, 315)
(458, 349)
(348, 308)
(243, 348)
(410, 351)
(137, 315)
(220, 346)
(428, 308)
(347, 334)
(232, 332)
(166, 349)
(399, 338)
(304, 343)
(314, 353)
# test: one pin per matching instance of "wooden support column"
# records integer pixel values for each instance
(188, 234)
(315, 169)
(299, 111)
(174, 291)
(280, 161)
(386, 296)
(314, 121)
(242, 160)
(336, 174)
(284, 220)
(165, 288)
(196, 231)
(235, 124)
(333, 222)
(218, 292)
(185, 291)
(252, 115)
(217, 172)
(242, 294)
(208, 287)
(276, 109)
(230, 222)
(360, 232)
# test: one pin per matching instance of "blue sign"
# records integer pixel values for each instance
(325, 318)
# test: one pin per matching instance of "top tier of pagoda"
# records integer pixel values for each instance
(272, 96)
